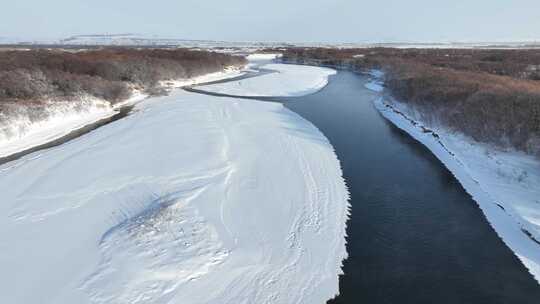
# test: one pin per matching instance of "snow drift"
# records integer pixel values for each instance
(191, 199)
(259, 57)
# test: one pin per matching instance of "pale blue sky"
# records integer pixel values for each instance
(278, 20)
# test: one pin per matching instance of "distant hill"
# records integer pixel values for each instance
(133, 39)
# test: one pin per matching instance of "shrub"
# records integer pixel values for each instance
(103, 73)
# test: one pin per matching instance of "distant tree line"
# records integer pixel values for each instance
(490, 95)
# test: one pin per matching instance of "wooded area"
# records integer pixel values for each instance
(34, 75)
(490, 95)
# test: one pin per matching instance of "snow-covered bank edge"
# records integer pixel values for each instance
(20, 131)
(227, 73)
(294, 80)
(505, 222)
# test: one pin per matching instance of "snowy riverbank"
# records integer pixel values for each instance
(288, 80)
(24, 127)
(505, 184)
(190, 199)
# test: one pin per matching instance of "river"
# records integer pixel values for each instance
(414, 235)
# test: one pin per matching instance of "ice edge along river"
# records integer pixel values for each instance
(190, 199)
(504, 184)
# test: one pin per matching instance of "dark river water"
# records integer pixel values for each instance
(414, 236)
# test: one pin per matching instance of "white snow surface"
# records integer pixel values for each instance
(229, 72)
(191, 199)
(506, 185)
(288, 80)
(264, 56)
(20, 132)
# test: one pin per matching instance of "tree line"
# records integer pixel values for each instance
(105, 73)
(491, 95)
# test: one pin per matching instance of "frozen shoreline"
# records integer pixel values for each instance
(20, 133)
(493, 178)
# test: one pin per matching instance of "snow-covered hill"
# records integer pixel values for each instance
(131, 39)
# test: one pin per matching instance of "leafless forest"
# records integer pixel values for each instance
(35, 75)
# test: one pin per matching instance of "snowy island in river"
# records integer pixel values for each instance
(190, 199)
(285, 80)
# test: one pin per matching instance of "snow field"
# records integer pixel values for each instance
(191, 199)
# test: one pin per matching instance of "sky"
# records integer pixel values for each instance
(278, 20)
